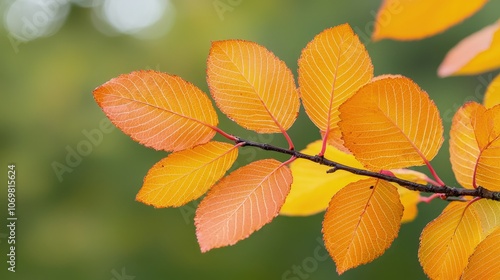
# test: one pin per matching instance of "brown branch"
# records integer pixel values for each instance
(448, 191)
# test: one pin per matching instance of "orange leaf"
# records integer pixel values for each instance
(447, 242)
(492, 95)
(313, 188)
(487, 131)
(391, 123)
(413, 20)
(186, 175)
(242, 203)
(483, 263)
(475, 146)
(475, 54)
(361, 222)
(464, 150)
(158, 110)
(332, 67)
(252, 86)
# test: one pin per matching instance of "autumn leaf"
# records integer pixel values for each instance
(487, 130)
(488, 212)
(361, 222)
(158, 110)
(410, 199)
(447, 242)
(483, 263)
(391, 123)
(492, 95)
(313, 188)
(475, 54)
(186, 175)
(332, 67)
(475, 146)
(464, 150)
(242, 203)
(252, 86)
(413, 20)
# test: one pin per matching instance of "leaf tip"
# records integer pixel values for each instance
(340, 271)
(376, 35)
(444, 71)
(203, 247)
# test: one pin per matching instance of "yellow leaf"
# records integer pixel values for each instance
(492, 95)
(391, 123)
(410, 199)
(413, 20)
(332, 67)
(483, 263)
(252, 86)
(313, 188)
(475, 54)
(475, 146)
(186, 175)
(361, 222)
(488, 212)
(447, 242)
(242, 203)
(158, 110)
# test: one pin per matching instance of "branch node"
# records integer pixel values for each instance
(332, 170)
(480, 190)
(320, 159)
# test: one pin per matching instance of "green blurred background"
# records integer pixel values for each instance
(88, 225)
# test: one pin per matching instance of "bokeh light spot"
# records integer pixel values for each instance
(131, 16)
(27, 20)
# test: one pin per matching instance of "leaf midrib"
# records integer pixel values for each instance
(163, 109)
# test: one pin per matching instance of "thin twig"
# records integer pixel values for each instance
(447, 191)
